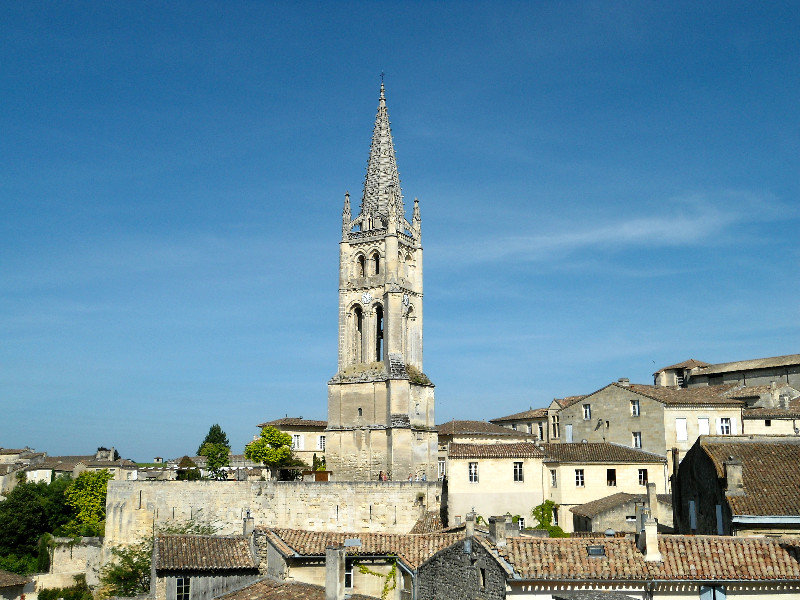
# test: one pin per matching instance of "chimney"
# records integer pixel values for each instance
(470, 530)
(497, 530)
(651, 551)
(248, 524)
(624, 381)
(511, 529)
(733, 477)
(652, 500)
(334, 573)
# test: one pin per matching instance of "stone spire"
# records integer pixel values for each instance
(382, 183)
(346, 215)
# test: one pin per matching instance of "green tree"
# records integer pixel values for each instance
(544, 519)
(87, 496)
(217, 456)
(187, 470)
(273, 449)
(128, 573)
(215, 435)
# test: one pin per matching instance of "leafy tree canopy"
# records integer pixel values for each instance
(87, 496)
(216, 458)
(544, 519)
(215, 435)
(128, 573)
(273, 448)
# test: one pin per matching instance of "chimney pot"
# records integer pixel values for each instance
(624, 381)
(497, 530)
(334, 573)
(470, 529)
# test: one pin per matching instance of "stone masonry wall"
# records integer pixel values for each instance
(454, 574)
(135, 508)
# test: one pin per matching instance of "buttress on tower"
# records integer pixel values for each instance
(380, 403)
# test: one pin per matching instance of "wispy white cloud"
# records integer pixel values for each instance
(692, 220)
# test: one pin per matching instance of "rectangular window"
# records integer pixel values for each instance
(681, 434)
(579, 481)
(630, 518)
(767, 423)
(634, 408)
(442, 468)
(724, 426)
(637, 439)
(611, 477)
(702, 425)
(529, 427)
(473, 472)
(587, 412)
(555, 515)
(541, 430)
(553, 478)
(642, 476)
(514, 426)
(554, 426)
(348, 574)
(481, 577)
(321, 442)
(517, 471)
(521, 522)
(297, 441)
(183, 590)
(568, 433)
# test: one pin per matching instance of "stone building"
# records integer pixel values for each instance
(653, 418)
(12, 586)
(753, 372)
(618, 512)
(201, 567)
(473, 432)
(380, 403)
(514, 478)
(742, 485)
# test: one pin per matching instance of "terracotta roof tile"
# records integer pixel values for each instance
(203, 552)
(703, 395)
(568, 401)
(770, 472)
(430, 522)
(697, 558)
(477, 428)
(268, 589)
(505, 450)
(294, 422)
(755, 363)
(687, 364)
(534, 413)
(61, 463)
(601, 505)
(580, 452)
(411, 549)
(8, 579)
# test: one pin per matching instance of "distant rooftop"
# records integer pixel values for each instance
(294, 422)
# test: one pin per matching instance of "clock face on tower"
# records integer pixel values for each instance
(366, 298)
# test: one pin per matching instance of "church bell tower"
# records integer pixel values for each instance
(380, 402)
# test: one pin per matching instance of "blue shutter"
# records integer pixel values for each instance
(706, 592)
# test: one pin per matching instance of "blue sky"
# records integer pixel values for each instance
(605, 188)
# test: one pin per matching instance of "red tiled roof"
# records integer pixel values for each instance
(61, 463)
(477, 428)
(755, 363)
(687, 364)
(534, 413)
(601, 452)
(601, 505)
(696, 558)
(268, 589)
(770, 472)
(203, 552)
(411, 549)
(8, 579)
(294, 422)
(568, 401)
(430, 522)
(505, 450)
(704, 395)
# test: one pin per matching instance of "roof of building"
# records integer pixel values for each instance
(413, 550)
(568, 400)
(687, 364)
(773, 413)
(15, 451)
(429, 522)
(294, 422)
(534, 413)
(599, 452)
(602, 505)
(476, 428)
(504, 450)
(672, 396)
(8, 579)
(203, 553)
(269, 589)
(61, 463)
(749, 365)
(770, 472)
(696, 558)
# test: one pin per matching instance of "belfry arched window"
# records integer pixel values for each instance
(361, 267)
(358, 334)
(379, 333)
(376, 263)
